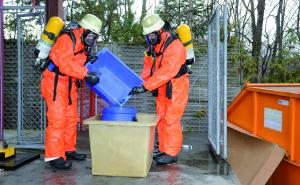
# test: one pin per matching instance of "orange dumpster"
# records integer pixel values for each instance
(272, 112)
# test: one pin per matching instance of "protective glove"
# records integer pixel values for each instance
(91, 58)
(92, 78)
(138, 90)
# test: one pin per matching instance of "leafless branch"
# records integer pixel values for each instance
(244, 36)
(246, 6)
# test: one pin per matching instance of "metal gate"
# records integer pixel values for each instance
(217, 81)
(31, 109)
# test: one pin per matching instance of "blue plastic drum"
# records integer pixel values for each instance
(119, 114)
(116, 78)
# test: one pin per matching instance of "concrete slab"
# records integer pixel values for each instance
(195, 167)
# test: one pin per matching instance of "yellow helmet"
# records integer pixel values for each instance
(92, 23)
(152, 23)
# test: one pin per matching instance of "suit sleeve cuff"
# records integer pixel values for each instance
(85, 71)
(147, 86)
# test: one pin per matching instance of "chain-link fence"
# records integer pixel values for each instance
(24, 110)
(24, 118)
(31, 112)
(195, 117)
(10, 84)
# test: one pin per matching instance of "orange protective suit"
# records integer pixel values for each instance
(62, 117)
(169, 111)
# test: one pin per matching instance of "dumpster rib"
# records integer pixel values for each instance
(293, 127)
(255, 111)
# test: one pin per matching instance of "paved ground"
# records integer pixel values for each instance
(195, 167)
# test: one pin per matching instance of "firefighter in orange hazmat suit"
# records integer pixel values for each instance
(166, 75)
(59, 90)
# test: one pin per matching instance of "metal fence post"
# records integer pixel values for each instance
(1, 72)
(19, 81)
(218, 119)
(225, 17)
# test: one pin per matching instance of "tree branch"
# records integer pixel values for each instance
(245, 36)
(247, 7)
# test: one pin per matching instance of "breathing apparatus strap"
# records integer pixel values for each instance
(55, 83)
(57, 73)
(50, 35)
(188, 43)
(56, 77)
(69, 90)
(153, 54)
(183, 70)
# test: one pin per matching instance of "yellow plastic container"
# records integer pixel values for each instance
(122, 148)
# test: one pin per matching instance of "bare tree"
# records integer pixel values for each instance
(166, 6)
(125, 7)
(110, 7)
(279, 28)
(144, 11)
(256, 29)
(236, 17)
(251, 22)
(190, 12)
(72, 8)
(298, 21)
